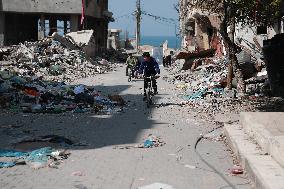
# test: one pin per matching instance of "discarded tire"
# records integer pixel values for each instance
(273, 50)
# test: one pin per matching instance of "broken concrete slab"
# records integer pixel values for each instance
(81, 38)
(84, 39)
(64, 41)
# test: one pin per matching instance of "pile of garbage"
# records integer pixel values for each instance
(206, 80)
(20, 94)
(35, 77)
(49, 60)
(40, 158)
(204, 87)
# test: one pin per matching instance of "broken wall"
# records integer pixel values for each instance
(114, 39)
(86, 40)
(43, 6)
(100, 27)
(198, 28)
(201, 33)
(93, 8)
(252, 39)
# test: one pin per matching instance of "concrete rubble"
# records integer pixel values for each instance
(36, 77)
(202, 86)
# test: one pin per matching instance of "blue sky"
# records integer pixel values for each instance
(122, 10)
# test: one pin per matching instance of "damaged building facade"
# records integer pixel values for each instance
(199, 32)
(201, 39)
(26, 20)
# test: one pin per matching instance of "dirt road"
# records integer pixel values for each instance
(106, 163)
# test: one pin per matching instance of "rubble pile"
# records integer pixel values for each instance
(36, 96)
(36, 76)
(112, 55)
(204, 89)
(48, 60)
(205, 80)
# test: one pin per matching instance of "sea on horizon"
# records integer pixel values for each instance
(156, 41)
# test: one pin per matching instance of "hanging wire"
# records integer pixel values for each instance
(129, 15)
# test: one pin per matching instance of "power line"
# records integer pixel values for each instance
(125, 15)
(163, 19)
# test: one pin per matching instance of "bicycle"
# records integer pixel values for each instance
(130, 75)
(150, 91)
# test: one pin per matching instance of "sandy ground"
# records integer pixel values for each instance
(104, 166)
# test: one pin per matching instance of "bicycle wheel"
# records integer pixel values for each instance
(148, 101)
(129, 76)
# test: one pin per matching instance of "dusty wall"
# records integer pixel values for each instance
(100, 28)
(55, 6)
(248, 38)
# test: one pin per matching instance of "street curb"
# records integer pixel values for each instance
(263, 170)
(256, 125)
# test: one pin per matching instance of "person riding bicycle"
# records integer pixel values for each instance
(131, 63)
(149, 67)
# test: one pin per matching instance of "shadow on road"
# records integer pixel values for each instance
(87, 129)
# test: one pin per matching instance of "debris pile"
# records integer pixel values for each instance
(48, 60)
(204, 88)
(36, 76)
(20, 94)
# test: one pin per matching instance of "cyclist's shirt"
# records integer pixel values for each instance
(149, 68)
(131, 62)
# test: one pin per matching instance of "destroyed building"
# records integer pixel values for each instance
(203, 45)
(199, 31)
(25, 20)
(114, 39)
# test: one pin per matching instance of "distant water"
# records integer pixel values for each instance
(156, 41)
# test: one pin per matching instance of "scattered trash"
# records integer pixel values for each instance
(190, 166)
(35, 77)
(12, 153)
(204, 89)
(80, 186)
(37, 159)
(157, 186)
(152, 141)
(148, 144)
(7, 164)
(117, 99)
(216, 135)
(78, 174)
(237, 170)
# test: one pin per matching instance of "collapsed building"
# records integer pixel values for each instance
(25, 20)
(199, 31)
(114, 39)
(201, 40)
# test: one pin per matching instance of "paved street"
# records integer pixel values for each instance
(107, 163)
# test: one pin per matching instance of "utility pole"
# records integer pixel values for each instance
(138, 24)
